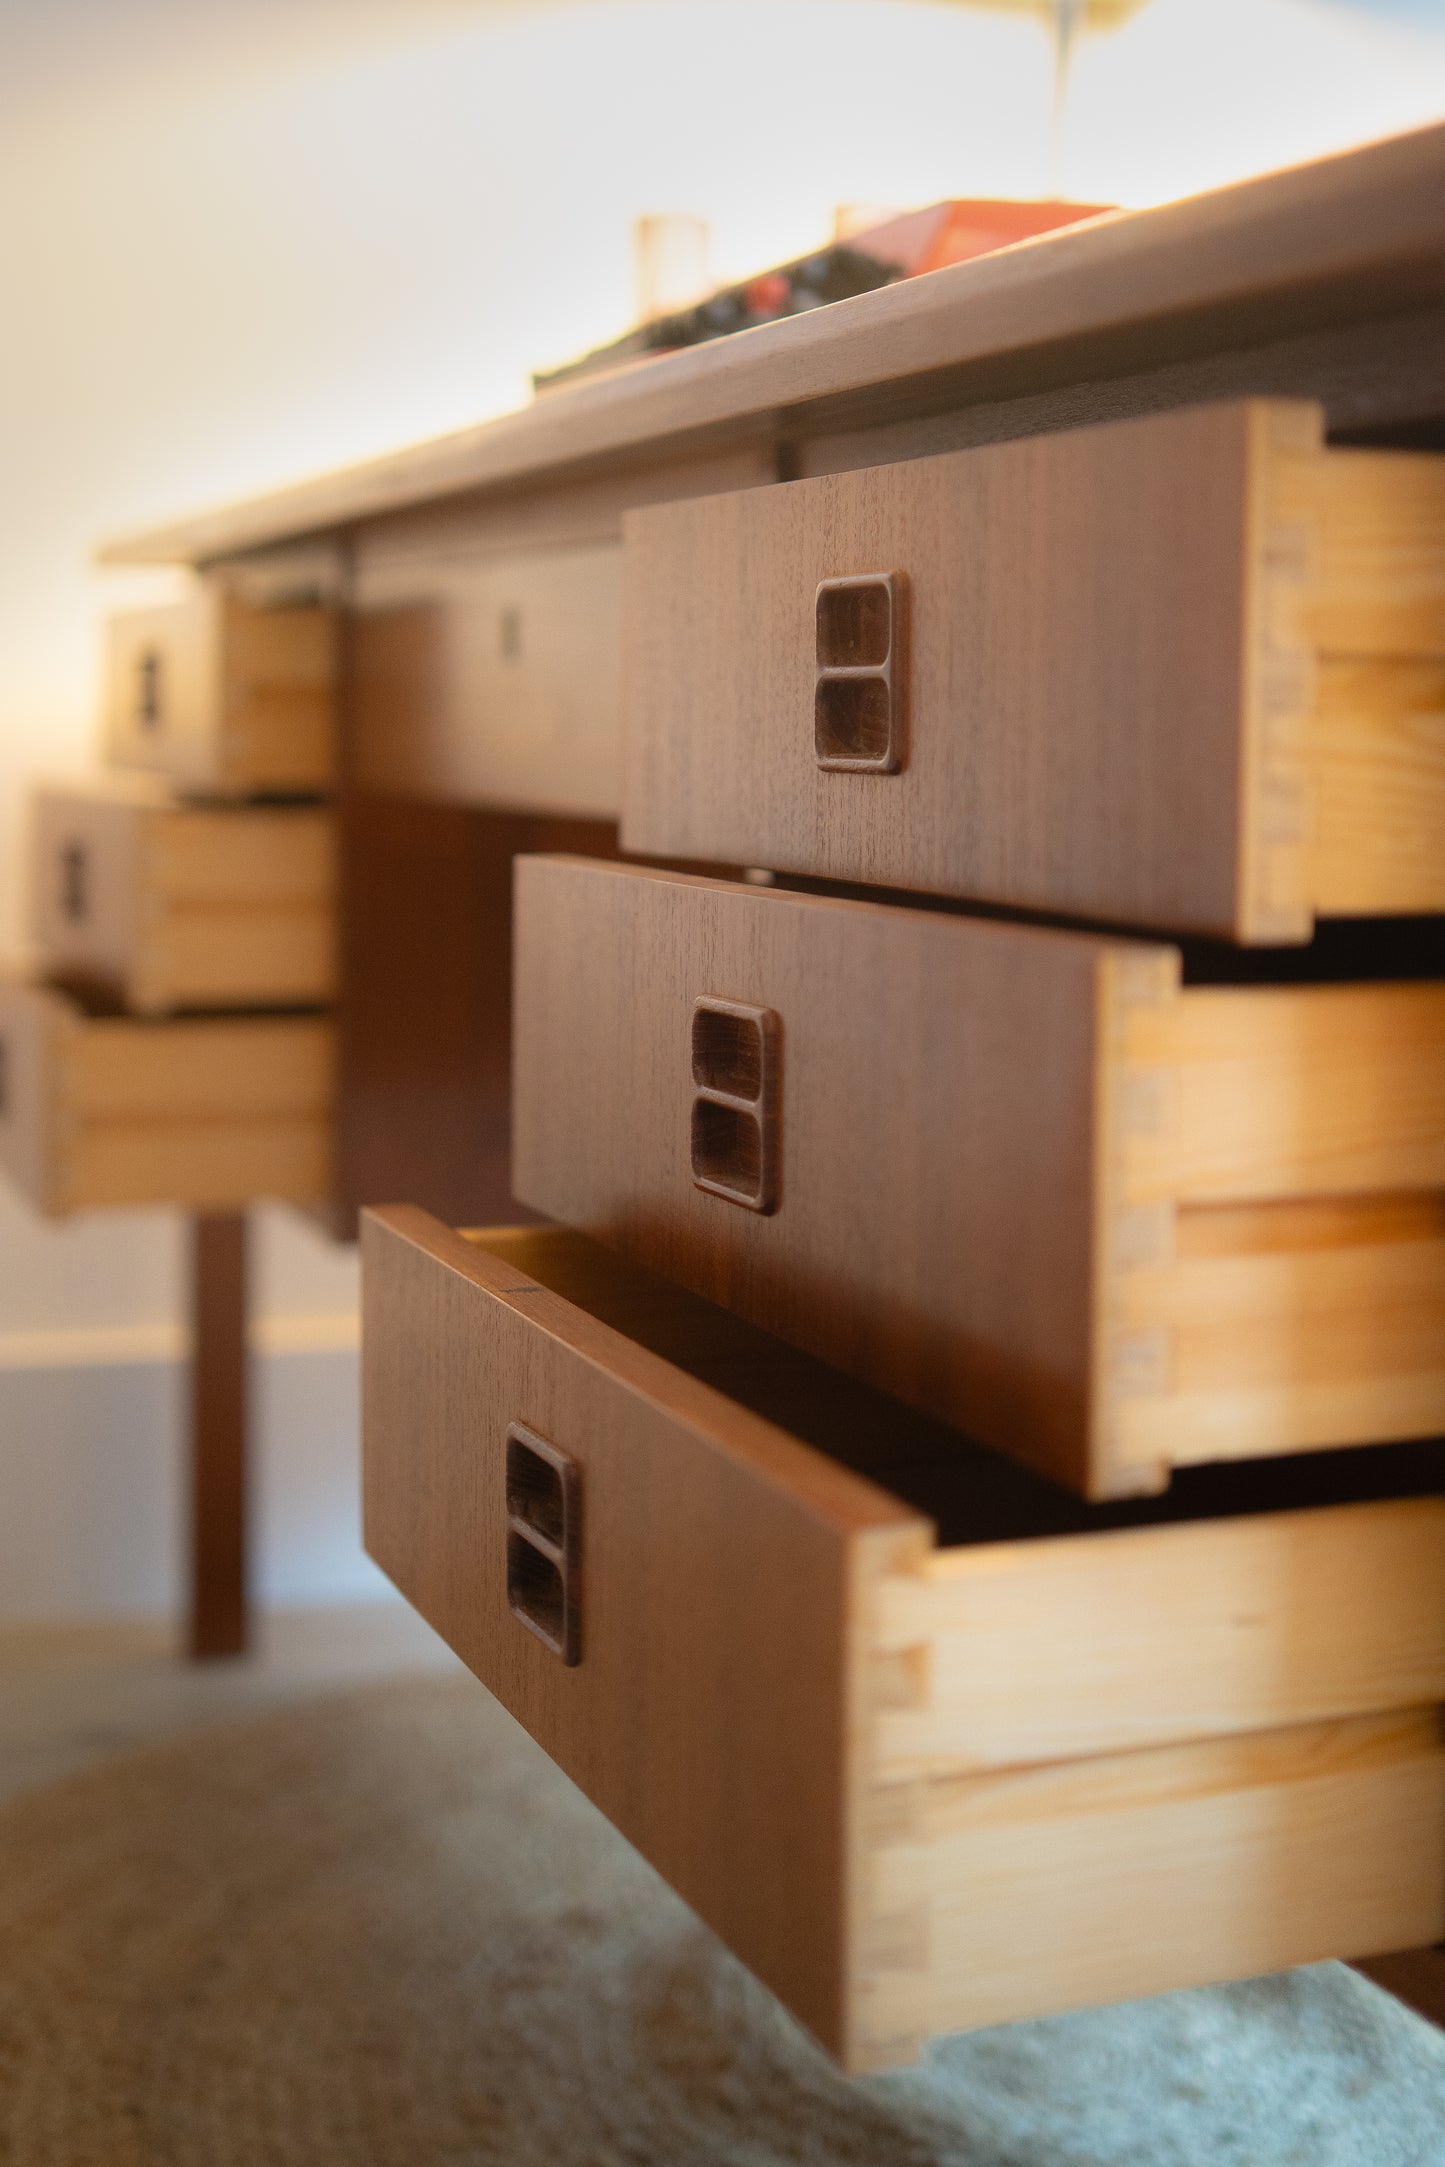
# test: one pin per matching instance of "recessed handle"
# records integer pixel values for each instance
(148, 689)
(860, 689)
(74, 882)
(735, 1141)
(544, 1541)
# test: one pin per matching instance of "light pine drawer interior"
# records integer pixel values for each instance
(210, 1113)
(1027, 1180)
(1185, 671)
(160, 905)
(928, 1742)
(222, 694)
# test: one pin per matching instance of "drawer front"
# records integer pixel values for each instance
(1183, 671)
(498, 684)
(221, 695)
(905, 1784)
(209, 1115)
(163, 906)
(706, 1716)
(1019, 1178)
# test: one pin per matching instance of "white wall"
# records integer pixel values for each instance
(92, 1487)
(247, 239)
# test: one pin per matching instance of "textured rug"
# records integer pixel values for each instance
(383, 1929)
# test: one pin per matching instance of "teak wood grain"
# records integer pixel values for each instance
(224, 696)
(206, 1112)
(1025, 1180)
(910, 1785)
(159, 905)
(1177, 671)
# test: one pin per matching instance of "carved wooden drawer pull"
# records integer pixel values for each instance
(544, 1541)
(148, 701)
(74, 862)
(735, 1116)
(859, 696)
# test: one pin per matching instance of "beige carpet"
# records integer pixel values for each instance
(382, 1929)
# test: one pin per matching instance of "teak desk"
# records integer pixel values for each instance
(796, 1710)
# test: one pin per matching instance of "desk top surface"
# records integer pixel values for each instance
(1350, 237)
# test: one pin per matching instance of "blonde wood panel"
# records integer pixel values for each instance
(1271, 1229)
(1318, 245)
(209, 1114)
(1376, 759)
(1314, 1332)
(890, 1775)
(1377, 582)
(1285, 1091)
(997, 1158)
(160, 905)
(1173, 1632)
(1056, 1888)
(223, 696)
(1110, 646)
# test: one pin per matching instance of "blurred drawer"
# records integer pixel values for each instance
(493, 679)
(201, 1112)
(1063, 1755)
(159, 905)
(1021, 1178)
(1186, 671)
(224, 696)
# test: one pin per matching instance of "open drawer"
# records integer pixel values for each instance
(224, 695)
(1026, 1180)
(932, 1755)
(160, 905)
(206, 1112)
(1182, 671)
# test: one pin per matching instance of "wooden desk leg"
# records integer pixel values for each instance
(219, 1621)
